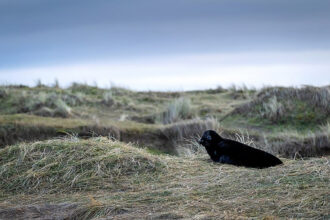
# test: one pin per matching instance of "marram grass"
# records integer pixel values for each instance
(99, 178)
(68, 165)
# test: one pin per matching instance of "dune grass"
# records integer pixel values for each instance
(291, 108)
(179, 109)
(116, 180)
(139, 158)
(69, 165)
(285, 121)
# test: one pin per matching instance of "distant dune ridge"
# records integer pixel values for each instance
(282, 120)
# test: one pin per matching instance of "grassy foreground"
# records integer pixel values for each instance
(97, 178)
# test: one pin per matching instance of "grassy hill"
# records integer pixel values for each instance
(102, 178)
(85, 152)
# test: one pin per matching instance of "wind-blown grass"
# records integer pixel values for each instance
(177, 110)
(185, 135)
(70, 165)
(163, 173)
(300, 108)
(108, 99)
(105, 179)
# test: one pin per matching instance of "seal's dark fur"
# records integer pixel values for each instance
(232, 152)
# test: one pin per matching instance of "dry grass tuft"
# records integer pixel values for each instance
(108, 99)
(240, 92)
(47, 104)
(179, 109)
(62, 109)
(272, 109)
(197, 188)
(44, 211)
(71, 165)
(244, 137)
(184, 135)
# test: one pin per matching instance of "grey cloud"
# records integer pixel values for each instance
(49, 31)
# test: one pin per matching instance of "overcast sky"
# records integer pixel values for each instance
(165, 45)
